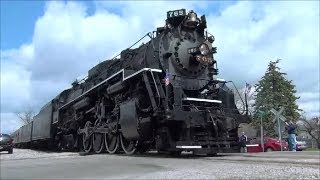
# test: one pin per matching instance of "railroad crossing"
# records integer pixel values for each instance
(280, 128)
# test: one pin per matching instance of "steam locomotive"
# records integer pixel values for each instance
(163, 95)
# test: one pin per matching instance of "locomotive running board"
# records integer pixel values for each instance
(202, 100)
(189, 147)
(115, 74)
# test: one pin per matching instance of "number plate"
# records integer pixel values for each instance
(204, 59)
(176, 13)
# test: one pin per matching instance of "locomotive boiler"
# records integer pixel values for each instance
(163, 95)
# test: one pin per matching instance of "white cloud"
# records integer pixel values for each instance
(309, 102)
(276, 34)
(15, 84)
(9, 122)
(250, 34)
(67, 42)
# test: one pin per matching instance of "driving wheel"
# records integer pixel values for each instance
(111, 142)
(86, 141)
(97, 138)
(128, 146)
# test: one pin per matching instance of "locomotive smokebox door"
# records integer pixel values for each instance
(129, 120)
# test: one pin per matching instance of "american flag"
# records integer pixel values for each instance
(248, 88)
(167, 81)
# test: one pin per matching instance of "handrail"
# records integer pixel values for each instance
(148, 34)
(107, 79)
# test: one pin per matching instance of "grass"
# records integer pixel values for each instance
(312, 149)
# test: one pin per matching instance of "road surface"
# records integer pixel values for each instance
(275, 165)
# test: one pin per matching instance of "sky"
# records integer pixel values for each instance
(46, 45)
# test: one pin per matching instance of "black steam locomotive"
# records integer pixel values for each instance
(160, 96)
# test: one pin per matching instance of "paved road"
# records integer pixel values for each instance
(154, 166)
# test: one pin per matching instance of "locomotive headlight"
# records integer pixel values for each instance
(204, 49)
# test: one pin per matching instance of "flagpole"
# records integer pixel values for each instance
(245, 98)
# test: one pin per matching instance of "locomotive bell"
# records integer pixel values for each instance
(192, 20)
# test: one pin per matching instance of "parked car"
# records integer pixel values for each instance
(301, 145)
(270, 144)
(6, 143)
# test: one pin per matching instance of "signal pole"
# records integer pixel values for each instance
(261, 130)
(261, 114)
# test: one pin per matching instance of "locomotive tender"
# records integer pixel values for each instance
(163, 95)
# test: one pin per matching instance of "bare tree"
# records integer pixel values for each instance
(240, 100)
(26, 116)
(312, 128)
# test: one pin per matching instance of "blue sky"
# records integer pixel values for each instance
(17, 21)
(18, 18)
(45, 45)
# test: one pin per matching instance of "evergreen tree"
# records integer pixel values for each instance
(274, 91)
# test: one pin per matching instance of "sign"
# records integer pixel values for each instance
(176, 13)
(278, 115)
(261, 113)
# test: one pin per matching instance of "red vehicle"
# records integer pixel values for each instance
(270, 144)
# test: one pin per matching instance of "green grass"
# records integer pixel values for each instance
(312, 149)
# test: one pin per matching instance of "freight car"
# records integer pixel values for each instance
(162, 95)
